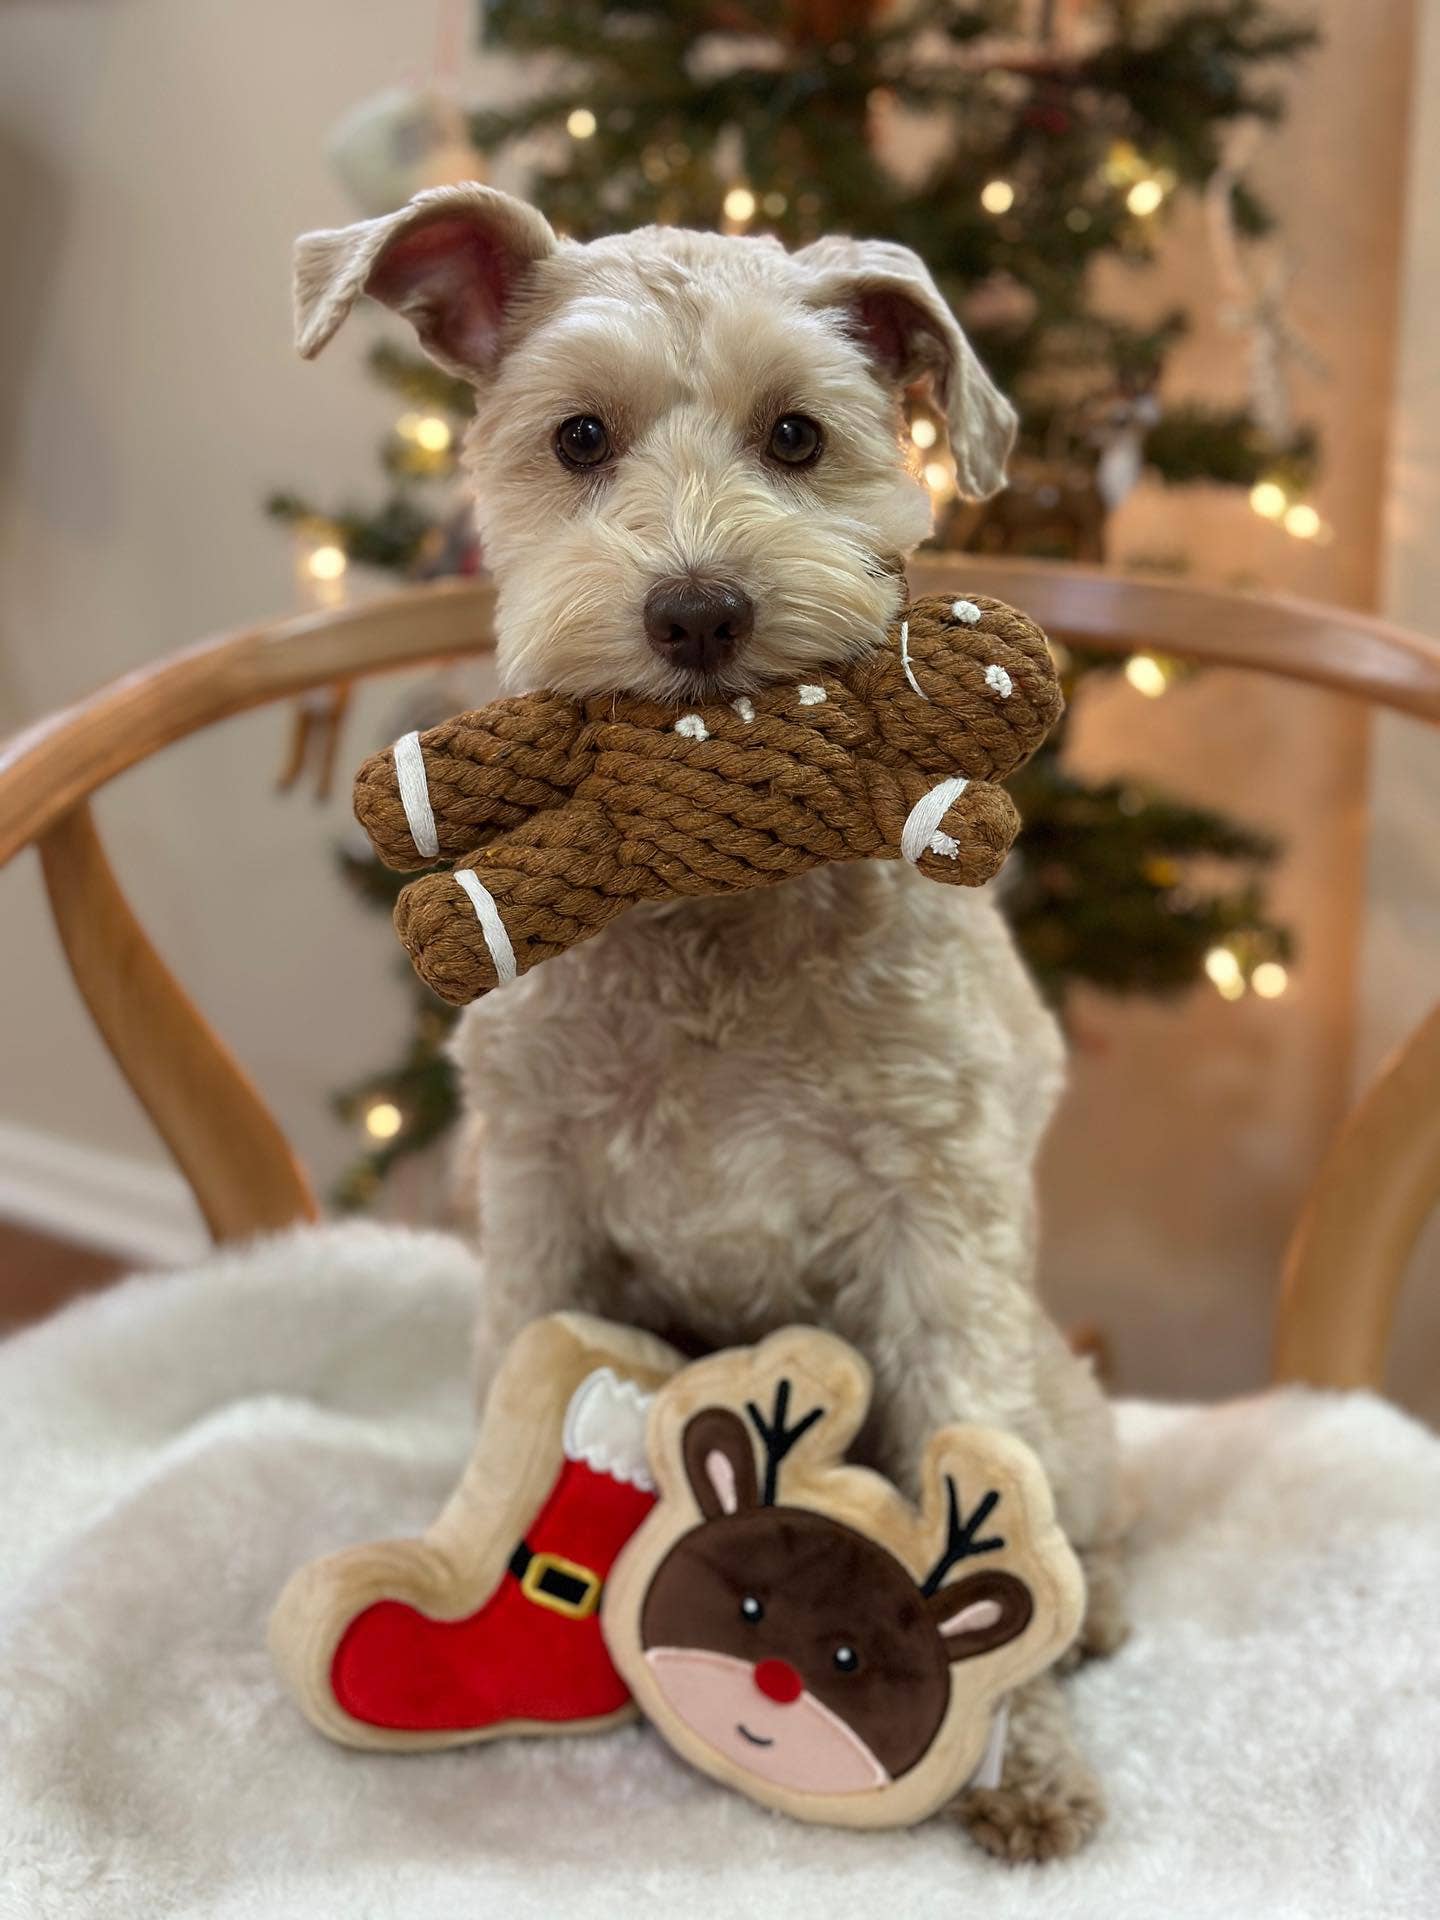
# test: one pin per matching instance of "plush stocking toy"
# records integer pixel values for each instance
(490, 1622)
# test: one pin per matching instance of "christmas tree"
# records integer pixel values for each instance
(1015, 148)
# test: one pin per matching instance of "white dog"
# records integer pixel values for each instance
(817, 1102)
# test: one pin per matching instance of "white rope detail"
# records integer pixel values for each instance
(415, 795)
(905, 659)
(923, 820)
(491, 925)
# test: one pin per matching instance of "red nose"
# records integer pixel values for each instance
(778, 1680)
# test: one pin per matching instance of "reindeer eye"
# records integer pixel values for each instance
(795, 440)
(846, 1659)
(751, 1608)
(582, 441)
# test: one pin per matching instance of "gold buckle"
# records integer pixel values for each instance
(543, 1563)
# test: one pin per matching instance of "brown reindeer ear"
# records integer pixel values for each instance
(720, 1462)
(981, 1612)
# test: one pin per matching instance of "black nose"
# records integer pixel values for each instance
(697, 624)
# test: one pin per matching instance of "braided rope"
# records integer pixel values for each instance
(568, 812)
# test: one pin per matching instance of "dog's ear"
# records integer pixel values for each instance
(897, 312)
(451, 262)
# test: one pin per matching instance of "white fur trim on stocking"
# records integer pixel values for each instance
(605, 1427)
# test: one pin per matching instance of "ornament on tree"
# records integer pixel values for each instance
(390, 146)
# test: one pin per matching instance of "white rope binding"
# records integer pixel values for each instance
(415, 795)
(491, 925)
(920, 832)
(905, 659)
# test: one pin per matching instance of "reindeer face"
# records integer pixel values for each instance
(801, 1651)
(769, 1615)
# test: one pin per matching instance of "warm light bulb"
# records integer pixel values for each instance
(739, 204)
(997, 196)
(1144, 197)
(937, 476)
(327, 562)
(1269, 499)
(1231, 989)
(923, 432)
(1269, 979)
(1303, 521)
(774, 204)
(581, 124)
(1224, 970)
(383, 1120)
(432, 433)
(1146, 675)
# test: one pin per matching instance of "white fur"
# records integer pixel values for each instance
(174, 1448)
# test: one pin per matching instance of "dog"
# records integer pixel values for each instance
(819, 1102)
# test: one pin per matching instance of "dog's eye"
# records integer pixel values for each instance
(752, 1609)
(795, 440)
(846, 1659)
(582, 441)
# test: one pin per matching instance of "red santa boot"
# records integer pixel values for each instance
(489, 1623)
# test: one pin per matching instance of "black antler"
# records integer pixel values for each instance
(960, 1540)
(776, 1438)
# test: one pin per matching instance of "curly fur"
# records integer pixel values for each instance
(820, 1102)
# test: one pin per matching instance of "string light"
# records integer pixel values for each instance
(739, 205)
(383, 1120)
(924, 432)
(938, 478)
(1078, 220)
(581, 124)
(1146, 675)
(427, 430)
(1145, 196)
(327, 562)
(774, 204)
(1225, 972)
(1269, 979)
(1302, 521)
(1269, 499)
(997, 196)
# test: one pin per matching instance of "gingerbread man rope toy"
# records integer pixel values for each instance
(561, 813)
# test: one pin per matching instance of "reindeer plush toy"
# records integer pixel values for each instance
(796, 1629)
(560, 813)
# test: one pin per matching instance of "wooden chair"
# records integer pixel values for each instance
(1348, 1252)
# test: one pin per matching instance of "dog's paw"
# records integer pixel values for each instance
(1019, 1824)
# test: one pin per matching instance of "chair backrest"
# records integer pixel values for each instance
(1348, 1254)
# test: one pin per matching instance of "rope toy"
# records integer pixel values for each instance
(559, 813)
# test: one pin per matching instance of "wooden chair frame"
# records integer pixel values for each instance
(1347, 1255)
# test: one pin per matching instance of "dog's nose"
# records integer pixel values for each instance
(778, 1681)
(697, 624)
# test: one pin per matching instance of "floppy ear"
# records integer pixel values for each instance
(451, 262)
(897, 313)
(719, 1462)
(981, 1612)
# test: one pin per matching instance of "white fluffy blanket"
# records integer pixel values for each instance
(1270, 1737)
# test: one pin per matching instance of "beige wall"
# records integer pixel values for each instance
(1190, 1133)
(1400, 980)
(157, 156)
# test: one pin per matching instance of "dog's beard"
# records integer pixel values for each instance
(824, 588)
